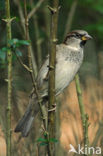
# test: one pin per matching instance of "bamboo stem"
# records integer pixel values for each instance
(100, 65)
(9, 58)
(51, 89)
(70, 17)
(24, 24)
(39, 53)
(84, 116)
(32, 12)
(27, 34)
(31, 69)
(37, 35)
(20, 11)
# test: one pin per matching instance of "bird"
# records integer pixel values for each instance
(69, 57)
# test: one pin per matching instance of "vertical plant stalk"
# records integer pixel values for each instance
(42, 109)
(27, 37)
(100, 65)
(37, 34)
(32, 12)
(70, 17)
(47, 20)
(24, 24)
(84, 116)
(51, 89)
(9, 58)
(38, 43)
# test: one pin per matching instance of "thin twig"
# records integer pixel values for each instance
(98, 134)
(82, 111)
(37, 37)
(24, 65)
(100, 65)
(32, 12)
(70, 17)
(27, 33)
(47, 21)
(23, 22)
(22, 19)
(38, 43)
(31, 68)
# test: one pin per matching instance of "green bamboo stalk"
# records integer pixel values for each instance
(70, 17)
(47, 19)
(100, 65)
(86, 139)
(24, 32)
(39, 53)
(37, 35)
(27, 37)
(51, 89)
(84, 116)
(9, 57)
(32, 12)
(42, 109)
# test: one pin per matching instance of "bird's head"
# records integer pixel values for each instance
(77, 37)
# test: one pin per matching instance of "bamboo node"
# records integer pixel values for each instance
(6, 80)
(53, 10)
(51, 67)
(9, 20)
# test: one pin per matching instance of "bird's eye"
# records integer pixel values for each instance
(78, 36)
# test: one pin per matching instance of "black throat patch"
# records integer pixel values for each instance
(82, 43)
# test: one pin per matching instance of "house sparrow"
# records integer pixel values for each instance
(69, 57)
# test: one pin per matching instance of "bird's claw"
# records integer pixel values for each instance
(52, 109)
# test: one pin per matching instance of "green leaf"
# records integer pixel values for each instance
(41, 140)
(19, 53)
(4, 49)
(24, 42)
(45, 134)
(15, 43)
(14, 58)
(53, 140)
(43, 144)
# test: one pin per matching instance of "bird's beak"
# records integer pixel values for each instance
(86, 37)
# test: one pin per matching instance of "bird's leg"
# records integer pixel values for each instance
(47, 75)
(53, 109)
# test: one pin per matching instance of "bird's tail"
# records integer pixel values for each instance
(25, 123)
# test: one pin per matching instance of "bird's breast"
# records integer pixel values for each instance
(66, 68)
(67, 65)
